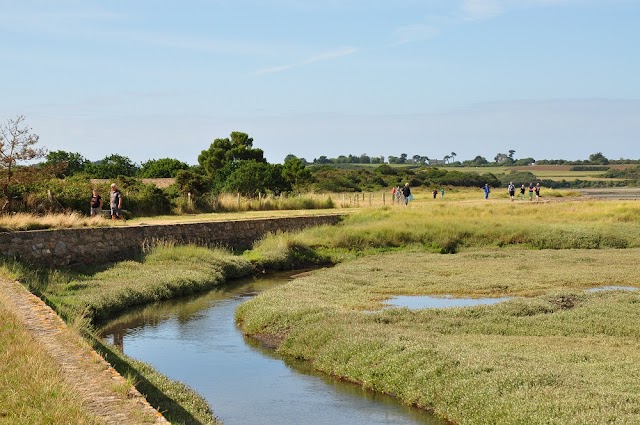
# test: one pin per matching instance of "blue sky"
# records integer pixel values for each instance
(149, 79)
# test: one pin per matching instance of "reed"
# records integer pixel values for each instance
(25, 221)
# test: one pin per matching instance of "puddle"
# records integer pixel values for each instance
(612, 288)
(414, 302)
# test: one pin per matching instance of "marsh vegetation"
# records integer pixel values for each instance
(555, 353)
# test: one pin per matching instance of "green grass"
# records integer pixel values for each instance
(166, 272)
(31, 387)
(560, 355)
(448, 227)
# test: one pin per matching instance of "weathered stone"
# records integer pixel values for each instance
(51, 248)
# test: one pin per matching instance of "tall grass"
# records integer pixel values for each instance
(32, 390)
(449, 227)
(25, 221)
(227, 202)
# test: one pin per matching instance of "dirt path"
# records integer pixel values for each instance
(88, 373)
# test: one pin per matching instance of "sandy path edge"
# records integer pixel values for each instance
(82, 367)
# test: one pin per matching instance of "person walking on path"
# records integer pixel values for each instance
(487, 190)
(398, 195)
(442, 192)
(116, 203)
(406, 192)
(435, 193)
(522, 189)
(96, 203)
(512, 191)
(393, 195)
(537, 191)
(530, 191)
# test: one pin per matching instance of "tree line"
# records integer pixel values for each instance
(228, 165)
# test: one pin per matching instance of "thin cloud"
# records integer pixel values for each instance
(479, 10)
(335, 54)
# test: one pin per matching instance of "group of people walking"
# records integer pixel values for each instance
(403, 194)
(533, 190)
(115, 203)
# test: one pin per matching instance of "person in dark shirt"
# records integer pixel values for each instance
(96, 203)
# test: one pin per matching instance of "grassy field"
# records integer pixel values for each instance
(554, 354)
(31, 387)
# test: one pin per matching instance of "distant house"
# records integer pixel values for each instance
(501, 157)
(436, 161)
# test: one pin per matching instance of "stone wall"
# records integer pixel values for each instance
(99, 245)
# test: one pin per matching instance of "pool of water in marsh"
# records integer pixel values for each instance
(414, 302)
(195, 340)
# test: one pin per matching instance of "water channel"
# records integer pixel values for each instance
(195, 340)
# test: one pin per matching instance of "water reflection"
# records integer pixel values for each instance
(415, 302)
(196, 341)
(612, 288)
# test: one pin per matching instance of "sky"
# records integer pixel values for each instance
(146, 79)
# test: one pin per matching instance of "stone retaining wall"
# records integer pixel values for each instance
(99, 245)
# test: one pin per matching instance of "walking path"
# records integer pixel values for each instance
(88, 373)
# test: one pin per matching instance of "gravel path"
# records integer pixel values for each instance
(88, 373)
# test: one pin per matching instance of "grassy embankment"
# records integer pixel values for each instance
(166, 272)
(554, 354)
(31, 388)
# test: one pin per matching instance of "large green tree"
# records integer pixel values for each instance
(295, 172)
(111, 167)
(238, 147)
(249, 178)
(69, 163)
(162, 168)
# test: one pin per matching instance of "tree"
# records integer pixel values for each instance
(446, 159)
(453, 156)
(295, 173)
(249, 178)
(111, 167)
(189, 181)
(224, 151)
(162, 168)
(69, 162)
(479, 160)
(16, 145)
(598, 158)
(511, 152)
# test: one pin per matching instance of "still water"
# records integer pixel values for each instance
(415, 302)
(196, 341)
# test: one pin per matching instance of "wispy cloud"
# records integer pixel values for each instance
(335, 54)
(477, 10)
